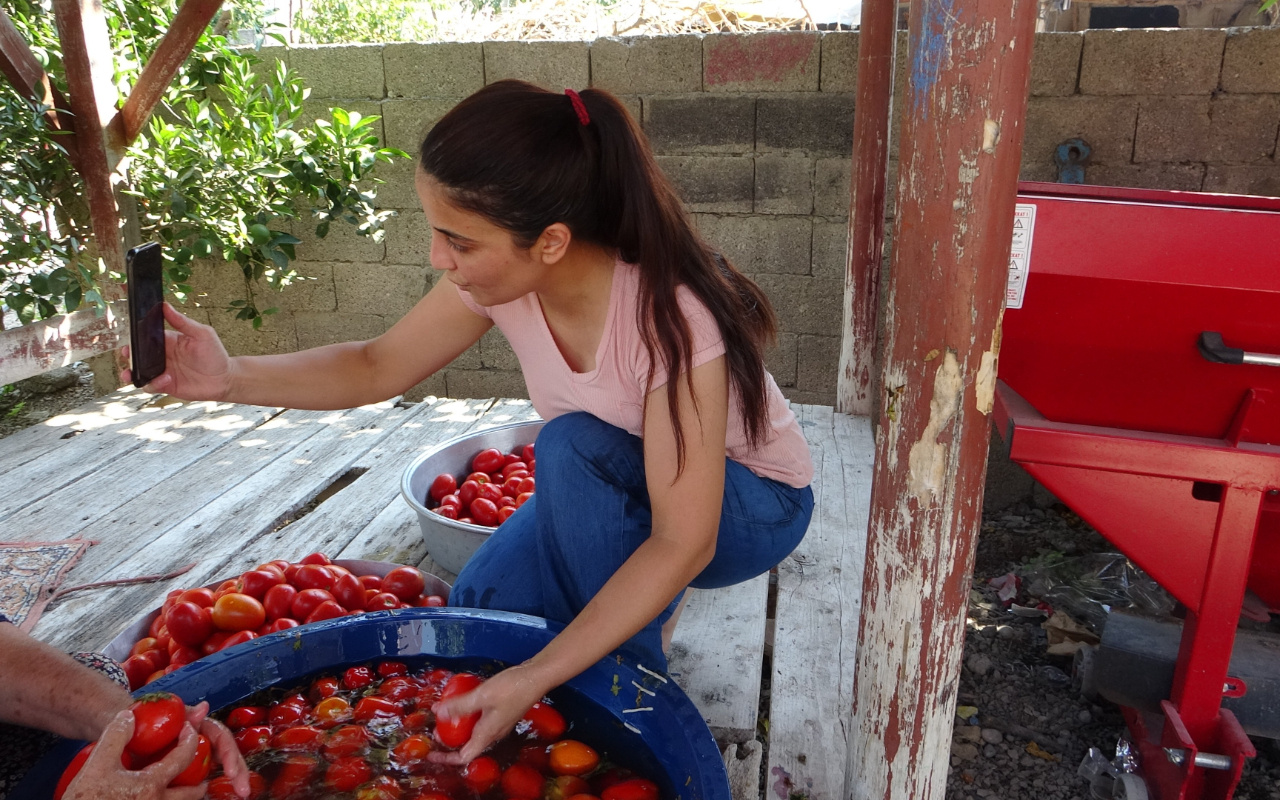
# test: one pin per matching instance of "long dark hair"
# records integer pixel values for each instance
(519, 156)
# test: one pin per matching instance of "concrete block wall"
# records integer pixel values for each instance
(756, 131)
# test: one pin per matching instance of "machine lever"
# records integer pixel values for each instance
(1214, 349)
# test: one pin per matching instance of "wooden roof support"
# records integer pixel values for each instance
(164, 63)
(19, 65)
(970, 67)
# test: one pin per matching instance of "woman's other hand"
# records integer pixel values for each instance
(103, 777)
(197, 366)
(501, 700)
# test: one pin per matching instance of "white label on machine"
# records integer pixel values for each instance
(1024, 225)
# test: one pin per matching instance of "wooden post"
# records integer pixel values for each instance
(957, 182)
(20, 67)
(873, 113)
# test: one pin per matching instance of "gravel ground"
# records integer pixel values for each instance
(1032, 728)
(29, 402)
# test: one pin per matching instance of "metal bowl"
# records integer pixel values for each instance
(450, 542)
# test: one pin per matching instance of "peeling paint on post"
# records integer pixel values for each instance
(957, 182)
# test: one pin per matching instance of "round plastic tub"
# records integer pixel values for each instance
(449, 542)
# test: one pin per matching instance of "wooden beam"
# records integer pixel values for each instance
(873, 112)
(23, 71)
(970, 68)
(58, 341)
(187, 25)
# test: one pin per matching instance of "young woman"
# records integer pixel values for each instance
(669, 458)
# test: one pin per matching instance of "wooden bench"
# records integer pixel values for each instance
(225, 487)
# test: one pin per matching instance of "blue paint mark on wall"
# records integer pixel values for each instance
(937, 24)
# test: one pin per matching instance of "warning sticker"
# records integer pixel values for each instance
(1024, 224)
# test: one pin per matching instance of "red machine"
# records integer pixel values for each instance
(1140, 383)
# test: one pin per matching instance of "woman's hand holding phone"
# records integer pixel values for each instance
(197, 365)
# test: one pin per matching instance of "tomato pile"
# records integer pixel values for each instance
(268, 598)
(157, 721)
(368, 732)
(499, 483)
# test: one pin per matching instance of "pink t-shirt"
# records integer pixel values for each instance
(615, 390)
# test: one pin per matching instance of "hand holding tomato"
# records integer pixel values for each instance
(501, 702)
(104, 777)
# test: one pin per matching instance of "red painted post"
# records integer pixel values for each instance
(871, 130)
(970, 66)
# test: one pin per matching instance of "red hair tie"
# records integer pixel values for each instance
(579, 107)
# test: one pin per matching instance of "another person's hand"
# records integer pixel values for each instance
(103, 777)
(225, 751)
(197, 365)
(501, 700)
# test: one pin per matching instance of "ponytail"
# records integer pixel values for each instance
(525, 158)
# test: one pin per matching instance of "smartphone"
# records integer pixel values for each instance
(144, 273)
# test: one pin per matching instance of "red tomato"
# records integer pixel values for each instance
(511, 487)
(282, 624)
(448, 512)
(491, 492)
(405, 583)
(522, 782)
(201, 597)
(398, 688)
(257, 582)
(238, 612)
(349, 740)
(432, 795)
(316, 558)
(388, 669)
(513, 468)
(482, 774)
(189, 624)
(220, 788)
(480, 477)
(505, 513)
(451, 500)
(570, 757)
(198, 769)
(287, 714)
(443, 484)
(430, 601)
(632, 789)
(294, 775)
(416, 722)
(357, 677)
(136, 669)
(526, 485)
(383, 787)
(157, 624)
(348, 591)
(490, 460)
(273, 567)
(157, 721)
(246, 716)
(254, 739)
(535, 755)
(240, 637)
(453, 732)
(143, 645)
(216, 641)
(382, 601)
(484, 511)
(563, 787)
(227, 587)
(298, 739)
(278, 601)
(307, 601)
(321, 688)
(329, 609)
(373, 707)
(345, 774)
(73, 769)
(543, 722)
(371, 582)
(332, 711)
(467, 492)
(526, 454)
(584, 796)
(411, 753)
(523, 498)
(313, 576)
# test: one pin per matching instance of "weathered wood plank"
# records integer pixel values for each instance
(102, 418)
(811, 683)
(37, 479)
(58, 341)
(717, 655)
(216, 532)
(742, 762)
(95, 495)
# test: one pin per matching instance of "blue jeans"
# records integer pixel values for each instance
(590, 513)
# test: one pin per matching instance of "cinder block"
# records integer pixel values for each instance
(711, 183)
(1251, 63)
(431, 387)
(1151, 61)
(215, 283)
(340, 70)
(342, 243)
(1040, 171)
(647, 65)
(819, 363)
(442, 69)
(278, 334)
(408, 239)
(1177, 177)
(839, 61)
(316, 330)
(830, 250)
(468, 359)
(808, 398)
(760, 244)
(496, 352)
(552, 65)
(405, 122)
(462, 383)
(762, 62)
(1244, 128)
(388, 290)
(1257, 180)
(1055, 63)
(397, 188)
(700, 124)
(312, 291)
(784, 185)
(805, 304)
(813, 123)
(1105, 123)
(1172, 129)
(831, 186)
(781, 359)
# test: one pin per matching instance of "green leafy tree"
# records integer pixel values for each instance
(338, 21)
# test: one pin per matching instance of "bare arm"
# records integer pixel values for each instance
(686, 519)
(343, 375)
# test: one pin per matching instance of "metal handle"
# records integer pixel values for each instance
(1214, 349)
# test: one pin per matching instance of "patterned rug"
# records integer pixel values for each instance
(30, 573)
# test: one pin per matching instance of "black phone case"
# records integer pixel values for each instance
(146, 313)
